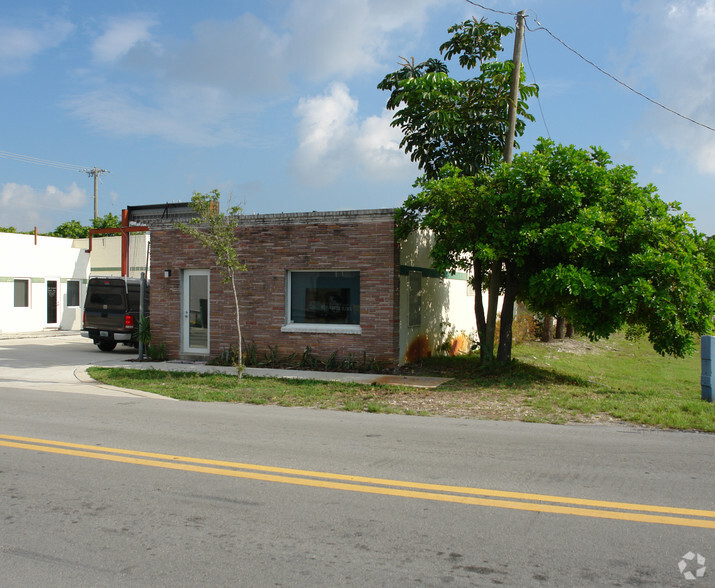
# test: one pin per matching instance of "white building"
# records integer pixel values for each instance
(435, 309)
(43, 280)
(42, 283)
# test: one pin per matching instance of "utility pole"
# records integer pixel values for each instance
(95, 171)
(514, 93)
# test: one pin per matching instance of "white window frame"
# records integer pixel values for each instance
(292, 327)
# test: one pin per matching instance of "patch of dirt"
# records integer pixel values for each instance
(578, 346)
(512, 407)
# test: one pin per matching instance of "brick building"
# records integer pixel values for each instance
(332, 281)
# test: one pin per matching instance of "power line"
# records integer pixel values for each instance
(39, 161)
(615, 79)
(591, 63)
(491, 9)
(538, 98)
(93, 172)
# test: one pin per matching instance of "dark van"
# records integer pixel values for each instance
(111, 311)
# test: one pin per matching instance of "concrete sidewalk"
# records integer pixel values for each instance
(38, 334)
(367, 379)
(200, 367)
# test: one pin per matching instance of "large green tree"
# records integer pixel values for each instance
(566, 231)
(462, 122)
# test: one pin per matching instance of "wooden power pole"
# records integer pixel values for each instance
(514, 93)
(95, 171)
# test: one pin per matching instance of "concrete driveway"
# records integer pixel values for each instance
(57, 362)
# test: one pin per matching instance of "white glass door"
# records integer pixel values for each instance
(195, 311)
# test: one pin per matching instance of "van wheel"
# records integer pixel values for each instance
(107, 345)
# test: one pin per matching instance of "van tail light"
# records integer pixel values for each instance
(84, 319)
(128, 321)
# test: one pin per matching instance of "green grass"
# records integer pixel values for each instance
(228, 388)
(576, 381)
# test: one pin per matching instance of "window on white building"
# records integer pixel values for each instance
(22, 293)
(73, 293)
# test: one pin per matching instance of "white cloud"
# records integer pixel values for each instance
(244, 57)
(243, 66)
(31, 207)
(188, 116)
(332, 141)
(19, 45)
(680, 65)
(341, 38)
(325, 129)
(378, 150)
(121, 36)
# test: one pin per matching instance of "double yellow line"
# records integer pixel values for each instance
(622, 511)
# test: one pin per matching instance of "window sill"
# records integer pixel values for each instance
(322, 328)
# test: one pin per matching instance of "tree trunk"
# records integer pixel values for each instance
(239, 367)
(507, 316)
(487, 347)
(547, 331)
(569, 330)
(560, 327)
(478, 301)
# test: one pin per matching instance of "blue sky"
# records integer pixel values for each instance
(275, 104)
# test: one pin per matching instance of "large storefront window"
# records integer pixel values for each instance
(323, 298)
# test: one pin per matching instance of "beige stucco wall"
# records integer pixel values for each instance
(107, 254)
(447, 304)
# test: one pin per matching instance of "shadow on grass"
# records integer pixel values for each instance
(466, 369)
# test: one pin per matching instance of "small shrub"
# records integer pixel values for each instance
(228, 357)
(144, 331)
(308, 360)
(349, 363)
(271, 356)
(524, 328)
(250, 357)
(332, 363)
(156, 352)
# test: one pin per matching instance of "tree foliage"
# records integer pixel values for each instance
(216, 231)
(73, 229)
(567, 232)
(458, 122)
(108, 221)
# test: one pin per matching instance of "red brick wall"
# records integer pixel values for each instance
(269, 245)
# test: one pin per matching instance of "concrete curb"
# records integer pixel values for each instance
(82, 376)
(367, 379)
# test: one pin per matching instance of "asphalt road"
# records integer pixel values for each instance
(105, 488)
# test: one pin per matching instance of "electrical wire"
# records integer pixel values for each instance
(592, 64)
(614, 78)
(490, 9)
(538, 98)
(38, 161)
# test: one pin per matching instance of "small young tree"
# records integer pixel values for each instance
(216, 231)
